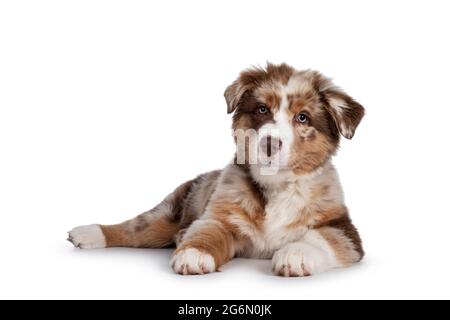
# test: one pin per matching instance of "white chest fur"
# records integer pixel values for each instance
(283, 208)
(285, 204)
(288, 197)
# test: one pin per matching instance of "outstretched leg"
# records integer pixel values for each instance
(156, 228)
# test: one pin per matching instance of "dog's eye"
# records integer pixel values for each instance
(262, 109)
(301, 117)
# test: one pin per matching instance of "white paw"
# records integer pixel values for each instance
(299, 260)
(192, 261)
(87, 237)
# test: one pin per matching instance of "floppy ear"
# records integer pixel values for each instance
(346, 112)
(233, 94)
(250, 79)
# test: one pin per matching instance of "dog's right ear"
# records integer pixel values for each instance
(247, 81)
(234, 93)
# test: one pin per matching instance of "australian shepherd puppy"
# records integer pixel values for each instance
(280, 198)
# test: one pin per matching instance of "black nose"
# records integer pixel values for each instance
(270, 145)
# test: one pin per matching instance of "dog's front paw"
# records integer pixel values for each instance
(192, 261)
(87, 237)
(299, 260)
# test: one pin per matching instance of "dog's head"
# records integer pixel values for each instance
(288, 118)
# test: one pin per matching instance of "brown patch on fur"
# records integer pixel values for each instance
(298, 103)
(268, 96)
(141, 222)
(325, 124)
(158, 234)
(252, 78)
(247, 116)
(323, 216)
(309, 154)
(343, 249)
(212, 239)
(320, 192)
(224, 210)
(310, 103)
(349, 117)
(345, 225)
(256, 77)
(272, 100)
(307, 134)
(313, 217)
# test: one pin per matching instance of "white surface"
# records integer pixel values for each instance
(106, 106)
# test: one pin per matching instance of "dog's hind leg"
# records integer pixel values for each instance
(155, 228)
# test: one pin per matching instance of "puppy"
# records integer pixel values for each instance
(280, 198)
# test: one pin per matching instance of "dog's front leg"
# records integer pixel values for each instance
(205, 246)
(319, 250)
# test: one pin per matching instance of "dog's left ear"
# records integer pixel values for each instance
(346, 112)
(234, 93)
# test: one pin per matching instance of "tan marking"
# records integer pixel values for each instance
(253, 78)
(323, 216)
(298, 104)
(316, 217)
(223, 211)
(309, 154)
(211, 239)
(320, 192)
(269, 97)
(342, 246)
(157, 234)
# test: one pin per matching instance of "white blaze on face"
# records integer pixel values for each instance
(281, 128)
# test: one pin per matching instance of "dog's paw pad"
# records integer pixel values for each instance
(87, 237)
(192, 261)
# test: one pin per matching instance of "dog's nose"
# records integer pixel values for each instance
(270, 145)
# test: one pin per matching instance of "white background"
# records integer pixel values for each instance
(106, 106)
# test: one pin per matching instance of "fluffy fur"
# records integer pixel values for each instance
(293, 213)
